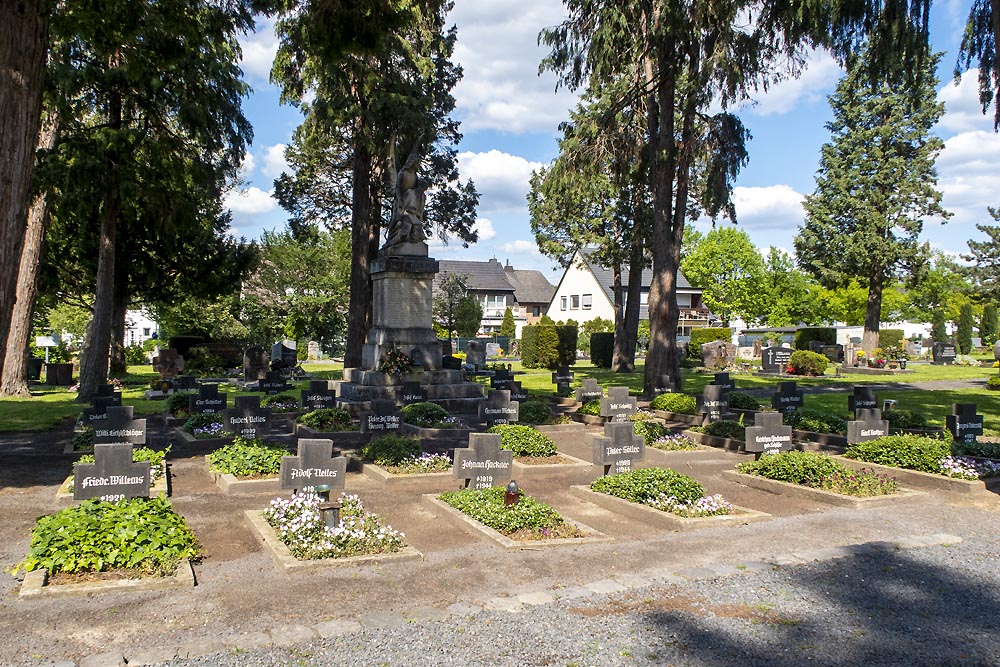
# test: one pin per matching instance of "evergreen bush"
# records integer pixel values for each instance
(963, 337)
(602, 348)
(805, 335)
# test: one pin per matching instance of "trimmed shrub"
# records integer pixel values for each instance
(528, 346)
(963, 336)
(390, 450)
(327, 419)
(988, 325)
(706, 335)
(724, 428)
(825, 335)
(602, 349)
(534, 412)
(566, 352)
(424, 414)
(912, 452)
(939, 333)
(816, 421)
(993, 383)
(743, 401)
(650, 431)
(890, 338)
(794, 467)
(679, 403)
(524, 440)
(592, 408)
(548, 346)
(648, 484)
(804, 362)
(905, 419)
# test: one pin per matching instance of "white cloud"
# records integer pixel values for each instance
(500, 178)
(252, 201)
(771, 207)
(274, 161)
(247, 166)
(259, 50)
(969, 177)
(963, 112)
(498, 50)
(816, 82)
(485, 229)
(521, 247)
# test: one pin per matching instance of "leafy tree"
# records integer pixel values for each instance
(988, 325)
(468, 316)
(508, 327)
(449, 290)
(596, 325)
(941, 284)
(731, 271)
(979, 43)
(213, 319)
(791, 297)
(939, 333)
(963, 336)
(875, 185)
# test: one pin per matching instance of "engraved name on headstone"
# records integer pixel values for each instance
(98, 410)
(313, 466)
(518, 393)
(666, 384)
(501, 379)
(383, 418)
(498, 409)
(247, 419)
(723, 380)
(412, 392)
(775, 359)
(319, 395)
(619, 448)
(713, 402)
(273, 383)
(863, 398)
(618, 406)
(944, 353)
(867, 425)
(964, 424)
(788, 398)
(768, 435)
(483, 465)
(120, 427)
(208, 400)
(112, 476)
(590, 391)
(562, 379)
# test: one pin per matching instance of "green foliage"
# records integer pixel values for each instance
(679, 403)
(141, 534)
(591, 327)
(913, 452)
(327, 419)
(728, 267)
(592, 408)
(280, 403)
(390, 450)
(819, 471)
(178, 402)
(425, 414)
(648, 484)
(508, 327)
(993, 384)
(602, 349)
(988, 326)
(825, 335)
(468, 317)
(816, 421)
(984, 259)
(248, 458)
(134, 355)
(723, 428)
(545, 345)
(900, 418)
(963, 336)
(487, 507)
(890, 339)
(706, 335)
(743, 401)
(84, 440)
(650, 431)
(939, 333)
(804, 362)
(156, 458)
(524, 440)
(199, 421)
(534, 412)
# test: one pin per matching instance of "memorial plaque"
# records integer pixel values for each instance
(713, 402)
(618, 406)
(943, 353)
(768, 435)
(518, 393)
(247, 419)
(868, 425)
(383, 418)
(723, 380)
(619, 449)
(98, 412)
(862, 399)
(498, 409)
(562, 379)
(186, 382)
(112, 476)
(775, 359)
(590, 391)
(318, 396)
(273, 383)
(314, 465)
(502, 379)
(788, 398)
(208, 401)
(483, 465)
(964, 424)
(120, 427)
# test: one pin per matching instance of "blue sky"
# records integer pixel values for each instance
(510, 116)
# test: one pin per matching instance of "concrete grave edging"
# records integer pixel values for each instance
(819, 495)
(661, 519)
(36, 584)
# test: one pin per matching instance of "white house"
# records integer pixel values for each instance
(139, 327)
(585, 292)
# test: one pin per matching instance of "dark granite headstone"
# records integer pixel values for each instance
(314, 465)
(863, 398)
(788, 398)
(319, 395)
(107, 390)
(284, 354)
(835, 352)
(867, 425)
(666, 384)
(619, 448)
(498, 409)
(562, 379)
(273, 383)
(208, 400)
(412, 392)
(247, 419)
(98, 410)
(964, 424)
(168, 363)
(450, 363)
(590, 391)
(518, 393)
(501, 379)
(723, 380)
(775, 359)
(618, 406)
(382, 419)
(483, 465)
(255, 363)
(112, 476)
(120, 427)
(943, 353)
(768, 435)
(713, 402)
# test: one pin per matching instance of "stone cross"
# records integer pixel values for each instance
(185, 382)
(723, 380)
(775, 359)
(713, 402)
(590, 391)
(247, 419)
(112, 476)
(314, 465)
(498, 409)
(768, 435)
(501, 379)
(273, 383)
(208, 400)
(619, 448)
(561, 379)
(964, 424)
(868, 425)
(863, 398)
(788, 398)
(319, 395)
(517, 393)
(119, 427)
(98, 412)
(618, 406)
(382, 419)
(483, 465)
(412, 392)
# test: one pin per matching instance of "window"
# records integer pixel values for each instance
(536, 311)
(145, 331)
(588, 301)
(643, 298)
(562, 303)
(574, 302)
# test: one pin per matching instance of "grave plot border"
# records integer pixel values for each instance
(693, 420)
(670, 454)
(425, 482)
(286, 562)
(443, 510)
(661, 519)
(36, 584)
(927, 480)
(460, 432)
(231, 484)
(819, 495)
(352, 438)
(557, 428)
(588, 420)
(573, 465)
(214, 443)
(162, 485)
(718, 442)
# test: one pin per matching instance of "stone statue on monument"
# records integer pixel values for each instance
(407, 222)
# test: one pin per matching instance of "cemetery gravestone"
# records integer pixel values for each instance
(618, 406)
(944, 353)
(723, 380)
(768, 435)
(383, 419)
(964, 424)
(775, 359)
(475, 354)
(98, 410)
(665, 384)
(273, 383)
(717, 354)
(312, 351)
(498, 409)
(185, 383)
(168, 363)
(868, 425)
(590, 391)
(619, 448)
(247, 419)
(120, 427)
(412, 393)
(284, 355)
(483, 465)
(112, 476)
(318, 396)
(255, 364)
(208, 400)
(788, 398)
(501, 379)
(517, 393)
(562, 379)
(314, 466)
(713, 403)
(862, 399)
(450, 363)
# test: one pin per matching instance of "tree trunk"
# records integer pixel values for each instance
(24, 40)
(361, 242)
(617, 296)
(118, 364)
(633, 303)
(15, 371)
(873, 314)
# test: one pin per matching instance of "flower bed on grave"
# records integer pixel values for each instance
(83, 440)
(178, 404)
(127, 539)
(673, 442)
(922, 454)
(280, 403)
(206, 427)
(665, 490)
(676, 407)
(157, 469)
(729, 429)
(247, 459)
(818, 471)
(527, 520)
(299, 525)
(400, 455)
(327, 420)
(429, 415)
(533, 449)
(589, 413)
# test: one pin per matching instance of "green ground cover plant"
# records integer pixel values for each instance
(529, 519)
(819, 471)
(915, 452)
(592, 408)
(816, 421)
(650, 431)
(740, 400)
(524, 440)
(900, 418)
(663, 489)
(327, 419)
(83, 441)
(177, 403)
(390, 450)
(428, 415)
(143, 535)
(723, 428)
(683, 404)
(534, 412)
(280, 403)
(248, 459)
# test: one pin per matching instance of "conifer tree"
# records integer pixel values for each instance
(963, 337)
(988, 325)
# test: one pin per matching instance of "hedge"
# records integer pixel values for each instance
(890, 338)
(825, 335)
(707, 335)
(548, 346)
(602, 349)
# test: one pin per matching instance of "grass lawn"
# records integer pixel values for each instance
(935, 404)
